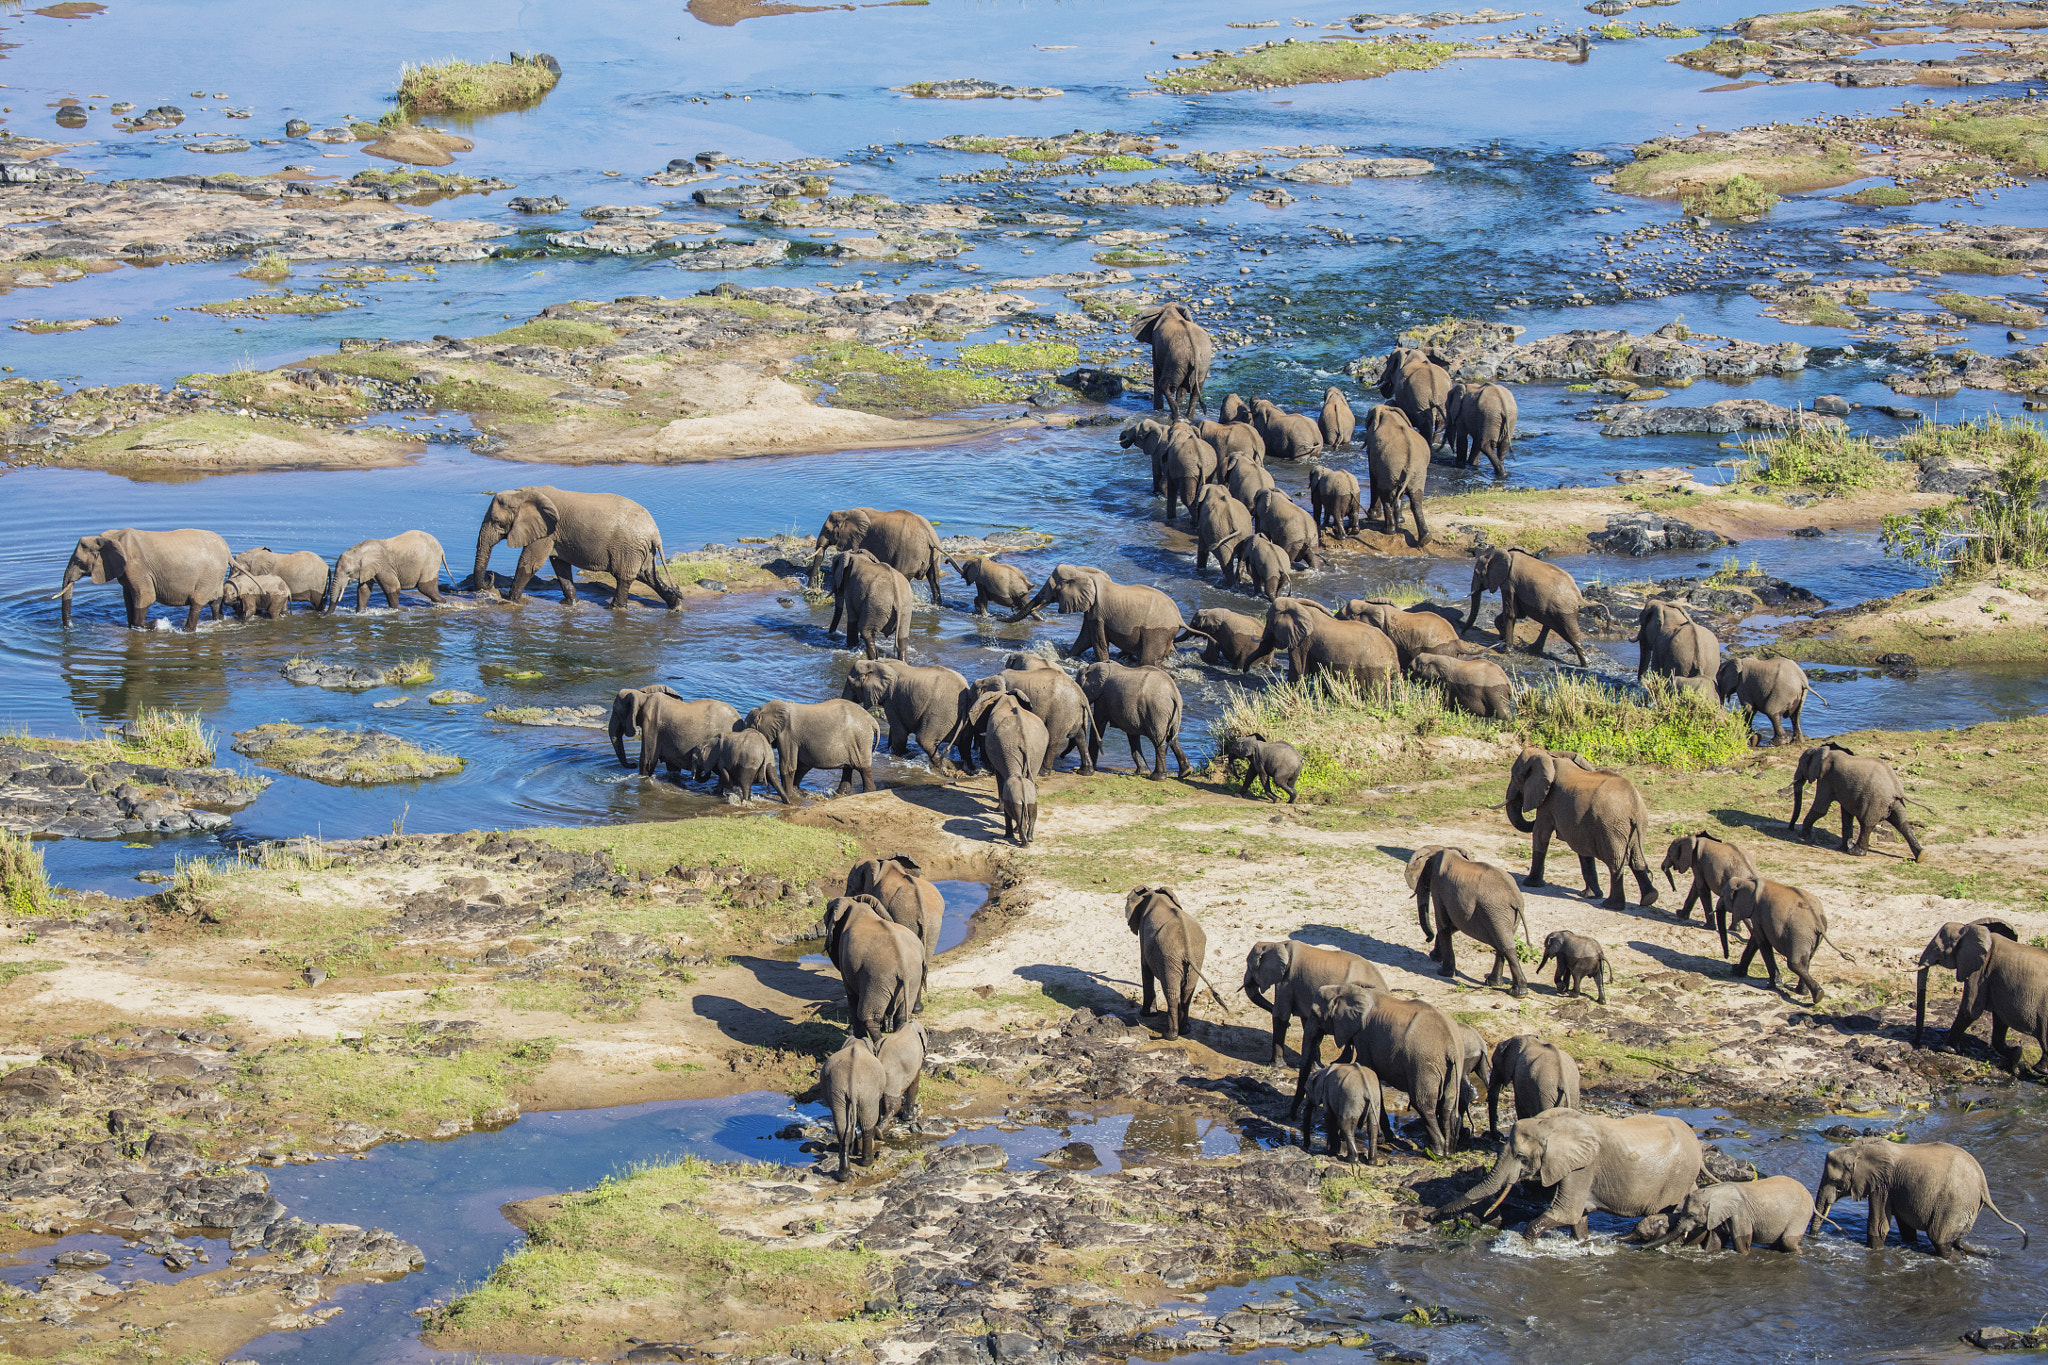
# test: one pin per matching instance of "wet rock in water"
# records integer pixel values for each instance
(356, 757)
(1095, 385)
(1899, 665)
(1831, 405)
(1808, 533)
(1723, 1167)
(1074, 1156)
(412, 145)
(1343, 172)
(731, 196)
(1047, 398)
(71, 115)
(1730, 414)
(218, 145)
(576, 717)
(1271, 194)
(454, 696)
(343, 677)
(1932, 383)
(297, 127)
(332, 134)
(537, 203)
(1589, 158)
(1162, 193)
(86, 1260)
(975, 88)
(734, 255)
(1429, 1315)
(1478, 351)
(605, 212)
(2003, 1339)
(1364, 23)
(1941, 474)
(1646, 533)
(64, 795)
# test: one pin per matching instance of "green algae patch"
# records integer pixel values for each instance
(1995, 311)
(887, 383)
(342, 757)
(1741, 181)
(287, 304)
(1960, 260)
(1739, 196)
(1310, 64)
(1021, 355)
(459, 87)
(399, 1080)
(567, 334)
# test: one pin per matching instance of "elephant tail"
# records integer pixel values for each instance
(1523, 920)
(2005, 1220)
(1918, 802)
(1845, 957)
(1214, 994)
(1815, 693)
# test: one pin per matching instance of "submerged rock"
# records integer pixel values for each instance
(67, 793)
(365, 757)
(578, 717)
(1477, 351)
(1647, 533)
(1730, 414)
(1162, 193)
(974, 88)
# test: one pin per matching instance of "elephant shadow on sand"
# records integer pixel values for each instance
(1773, 825)
(968, 813)
(1705, 962)
(1237, 1031)
(765, 1026)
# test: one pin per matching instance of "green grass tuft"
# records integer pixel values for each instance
(870, 379)
(1994, 311)
(1021, 355)
(1956, 260)
(2002, 526)
(1335, 59)
(459, 87)
(24, 883)
(1818, 457)
(554, 332)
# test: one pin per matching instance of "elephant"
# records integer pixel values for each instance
(1482, 422)
(1054, 698)
(1333, 496)
(262, 594)
(1411, 1046)
(1714, 863)
(896, 884)
(903, 540)
(304, 572)
(1470, 897)
(1222, 523)
(1631, 1167)
(1144, 703)
(1231, 637)
(1181, 355)
(1477, 1064)
(1600, 816)
(1281, 520)
(1296, 973)
(1527, 586)
(1479, 686)
(880, 963)
(929, 702)
(409, 560)
(1929, 1187)
(1149, 435)
(1579, 959)
(1262, 564)
(1267, 760)
(1867, 788)
(176, 568)
(1998, 973)
(1674, 644)
(1317, 642)
(1245, 479)
(600, 532)
(1771, 1212)
(741, 759)
(1785, 921)
(873, 598)
(625, 706)
(1542, 1075)
(1288, 435)
(1234, 410)
(1142, 621)
(850, 1085)
(1234, 440)
(1171, 950)
(670, 728)
(993, 581)
(1420, 388)
(1349, 1096)
(1336, 420)
(1186, 463)
(1014, 743)
(902, 1056)
(827, 734)
(1397, 467)
(1774, 688)
(1420, 629)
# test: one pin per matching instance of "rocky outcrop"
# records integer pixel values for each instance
(68, 793)
(1158, 193)
(1648, 533)
(1482, 352)
(354, 757)
(1730, 414)
(974, 88)
(1348, 169)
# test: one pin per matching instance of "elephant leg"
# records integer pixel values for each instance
(899, 739)
(1770, 960)
(1896, 818)
(1539, 845)
(565, 574)
(1138, 757)
(1719, 909)
(1415, 509)
(1311, 1054)
(1880, 1220)
(1180, 762)
(1281, 1023)
(522, 572)
(1777, 730)
(1695, 892)
(1646, 888)
(1804, 972)
(622, 591)
(1741, 968)
(192, 617)
(1147, 1005)
(1446, 954)
(1590, 870)
(388, 585)
(1500, 961)
(1849, 826)
(428, 588)
(1822, 800)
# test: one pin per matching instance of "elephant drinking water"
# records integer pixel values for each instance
(601, 532)
(177, 568)
(1630, 1167)
(409, 561)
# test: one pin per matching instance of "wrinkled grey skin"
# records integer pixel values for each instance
(880, 963)
(1528, 587)
(827, 734)
(1282, 520)
(1630, 1167)
(1776, 689)
(1481, 421)
(1772, 1212)
(1349, 1096)
(1296, 973)
(1246, 479)
(1478, 1063)
(905, 897)
(994, 581)
(626, 706)
(1414, 630)
(1182, 352)
(850, 1086)
(1600, 816)
(872, 598)
(1234, 409)
(1714, 863)
(1333, 498)
(602, 532)
(1149, 435)
(247, 593)
(1171, 950)
(1267, 760)
(1186, 463)
(1867, 788)
(903, 540)
(1317, 642)
(670, 728)
(1222, 525)
(304, 572)
(1420, 388)
(1784, 921)
(1479, 686)
(740, 759)
(1234, 440)
(1144, 703)
(1928, 1187)
(1411, 1046)
(1261, 564)
(1579, 959)
(902, 1057)
(1288, 435)
(1397, 467)
(1674, 644)
(1468, 897)
(929, 702)
(408, 561)
(1542, 1075)
(1014, 745)
(1999, 974)
(1054, 698)
(1231, 637)
(176, 568)
(1336, 421)
(1142, 621)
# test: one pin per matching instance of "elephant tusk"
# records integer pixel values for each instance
(1499, 1201)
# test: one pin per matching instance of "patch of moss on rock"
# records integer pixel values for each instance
(459, 87)
(345, 757)
(1310, 63)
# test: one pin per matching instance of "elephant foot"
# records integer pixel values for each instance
(1855, 852)
(1518, 992)
(1534, 883)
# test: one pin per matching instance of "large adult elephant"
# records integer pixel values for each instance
(1014, 745)
(1397, 467)
(1420, 388)
(1296, 974)
(1144, 703)
(1412, 1046)
(1528, 587)
(1715, 865)
(1244, 478)
(903, 540)
(623, 724)
(1056, 699)
(1482, 421)
(872, 598)
(1181, 355)
(1186, 463)
(1999, 974)
(1420, 629)
(1542, 1075)
(1232, 637)
(1469, 897)
(897, 884)
(671, 728)
(1149, 435)
(1773, 688)
(1234, 440)
(304, 572)
(1140, 620)
(827, 734)
(881, 965)
(409, 561)
(1171, 949)
(1222, 523)
(928, 702)
(1317, 642)
(1336, 420)
(1600, 816)
(1631, 1167)
(1287, 524)
(177, 568)
(1930, 1187)
(600, 532)
(1672, 643)
(1479, 686)
(1288, 435)
(1868, 789)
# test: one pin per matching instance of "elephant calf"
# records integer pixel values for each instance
(1542, 1074)
(741, 760)
(1929, 1187)
(994, 581)
(1171, 949)
(304, 572)
(1714, 864)
(1337, 422)
(851, 1084)
(902, 1058)
(1262, 564)
(1014, 743)
(264, 595)
(1231, 637)
(1776, 689)
(1480, 687)
(1579, 960)
(1266, 760)
(1296, 973)
(1772, 1212)
(1349, 1096)
(1333, 496)
(1783, 920)
(411, 560)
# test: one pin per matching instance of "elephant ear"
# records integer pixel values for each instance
(977, 715)
(1570, 1143)
(642, 704)
(535, 520)
(109, 561)
(1133, 903)
(905, 862)
(1418, 865)
(1973, 950)
(1741, 1228)
(2000, 928)
(1538, 780)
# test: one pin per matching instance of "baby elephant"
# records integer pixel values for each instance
(995, 581)
(1269, 760)
(1579, 960)
(852, 1085)
(1772, 1212)
(902, 1058)
(261, 593)
(1349, 1096)
(742, 760)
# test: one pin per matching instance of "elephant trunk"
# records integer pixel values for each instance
(1823, 1200)
(1038, 599)
(72, 573)
(1422, 913)
(1522, 823)
(1472, 611)
(1258, 997)
(1669, 1235)
(1920, 1005)
(487, 538)
(1669, 878)
(1798, 799)
(1506, 1172)
(337, 584)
